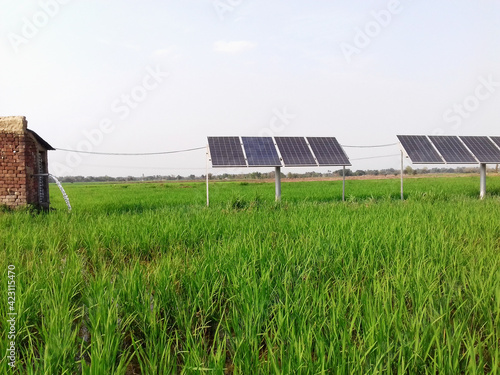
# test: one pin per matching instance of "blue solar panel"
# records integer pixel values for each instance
(483, 149)
(453, 150)
(295, 151)
(420, 149)
(226, 152)
(261, 152)
(328, 151)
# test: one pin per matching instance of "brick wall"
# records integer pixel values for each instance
(31, 168)
(18, 163)
(13, 169)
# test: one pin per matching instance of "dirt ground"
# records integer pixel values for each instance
(366, 177)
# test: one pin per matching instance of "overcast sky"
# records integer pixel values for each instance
(130, 76)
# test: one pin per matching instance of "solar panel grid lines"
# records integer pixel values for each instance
(243, 149)
(328, 151)
(452, 150)
(496, 140)
(420, 149)
(261, 151)
(226, 152)
(278, 151)
(483, 148)
(311, 150)
(295, 151)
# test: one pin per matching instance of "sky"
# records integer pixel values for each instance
(154, 76)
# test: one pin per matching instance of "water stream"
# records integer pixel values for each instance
(65, 196)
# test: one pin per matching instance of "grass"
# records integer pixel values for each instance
(142, 278)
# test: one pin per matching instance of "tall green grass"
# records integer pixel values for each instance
(143, 278)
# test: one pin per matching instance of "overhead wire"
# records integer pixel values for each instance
(376, 157)
(182, 151)
(374, 146)
(204, 147)
(132, 154)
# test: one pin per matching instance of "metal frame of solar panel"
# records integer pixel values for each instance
(261, 152)
(295, 152)
(328, 151)
(420, 149)
(483, 148)
(226, 152)
(452, 150)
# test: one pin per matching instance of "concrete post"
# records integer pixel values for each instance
(278, 183)
(482, 169)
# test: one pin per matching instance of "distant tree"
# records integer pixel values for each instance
(408, 170)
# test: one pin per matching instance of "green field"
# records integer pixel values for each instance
(144, 279)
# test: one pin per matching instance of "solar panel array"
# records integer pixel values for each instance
(496, 140)
(226, 152)
(260, 151)
(483, 148)
(276, 152)
(295, 152)
(451, 149)
(328, 151)
(420, 149)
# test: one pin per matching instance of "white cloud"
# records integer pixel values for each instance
(233, 47)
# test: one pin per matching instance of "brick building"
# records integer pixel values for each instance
(23, 157)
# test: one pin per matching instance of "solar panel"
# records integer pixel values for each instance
(295, 151)
(420, 149)
(453, 150)
(328, 151)
(261, 152)
(496, 140)
(483, 149)
(226, 152)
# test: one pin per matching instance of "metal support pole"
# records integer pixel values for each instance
(343, 184)
(482, 169)
(208, 196)
(278, 183)
(402, 178)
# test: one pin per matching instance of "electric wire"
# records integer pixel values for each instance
(132, 154)
(182, 151)
(377, 157)
(374, 146)
(204, 148)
